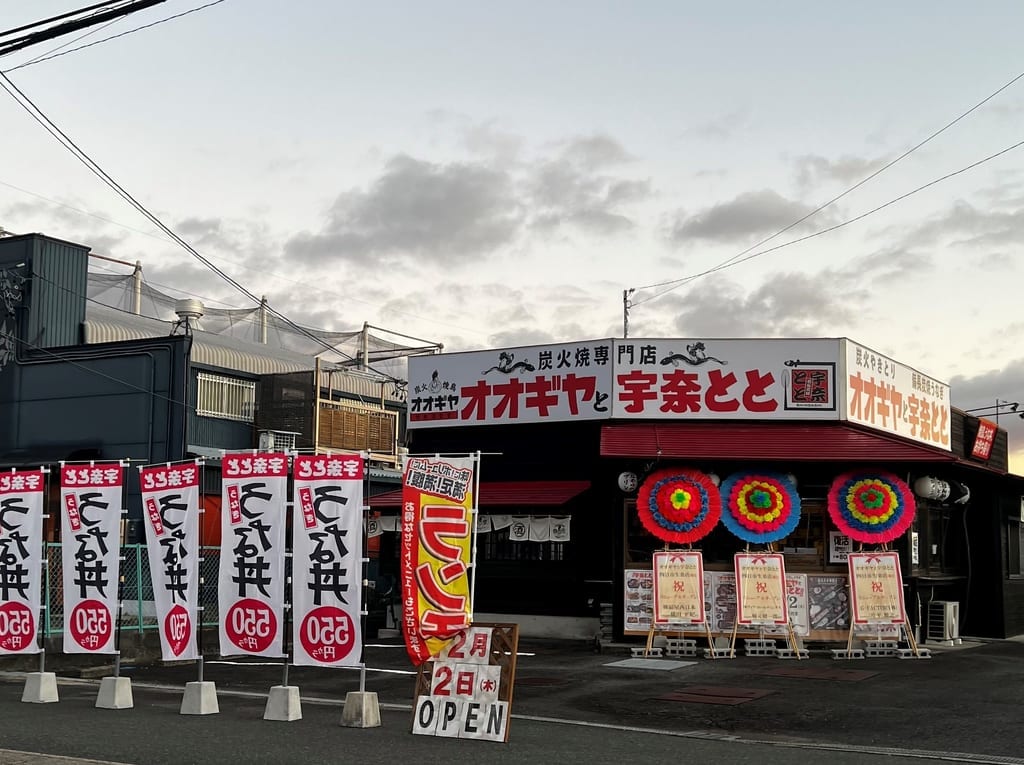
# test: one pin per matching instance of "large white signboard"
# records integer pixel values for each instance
(888, 396)
(548, 383)
(726, 379)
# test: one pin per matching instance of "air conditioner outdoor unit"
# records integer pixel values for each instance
(277, 440)
(944, 622)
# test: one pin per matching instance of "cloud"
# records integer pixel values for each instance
(814, 169)
(720, 128)
(749, 214)
(783, 305)
(444, 213)
(485, 140)
(570, 190)
(965, 224)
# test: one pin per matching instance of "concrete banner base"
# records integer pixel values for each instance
(40, 688)
(283, 704)
(115, 693)
(200, 699)
(361, 710)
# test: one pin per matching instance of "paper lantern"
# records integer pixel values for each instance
(627, 482)
(679, 505)
(760, 507)
(871, 506)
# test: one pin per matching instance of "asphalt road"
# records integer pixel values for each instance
(960, 706)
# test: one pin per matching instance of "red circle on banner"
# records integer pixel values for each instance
(177, 629)
(17, 626)
(251, 625)
(328, 634)
(90, 624)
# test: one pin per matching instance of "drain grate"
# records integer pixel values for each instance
(712, 694)
(818, 673)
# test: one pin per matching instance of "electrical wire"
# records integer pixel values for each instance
(684, 280)
(96, 7)
(53, 55)
(733, 262)
(37, 114)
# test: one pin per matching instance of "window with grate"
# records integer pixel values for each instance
(226, 397)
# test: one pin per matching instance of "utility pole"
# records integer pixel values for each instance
(626, 305)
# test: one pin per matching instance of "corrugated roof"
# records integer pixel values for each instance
(106, 325)
(817, 442)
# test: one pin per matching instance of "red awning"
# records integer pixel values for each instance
(507, 494)
(809, 442)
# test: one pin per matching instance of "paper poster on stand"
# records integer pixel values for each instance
(761, 589)
(678, 587)
(638, 594)
(876, 588)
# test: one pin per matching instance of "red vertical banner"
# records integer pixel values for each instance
(21, 542)
(436, 552)
(91, 502)
(327, 560)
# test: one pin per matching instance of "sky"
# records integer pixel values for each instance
(492, 174)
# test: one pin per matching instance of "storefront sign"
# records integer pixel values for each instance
(726, 379)
(327, 560)
(91, 505)
(170, 510)
(876, 588)
(21, 542)
(548, 383)
(678, 587)
(252, 568)
(839, 547)
(984, 439)
(761, 589)
(436, 552)
(888, 396)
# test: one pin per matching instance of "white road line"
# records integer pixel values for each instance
(17, 757)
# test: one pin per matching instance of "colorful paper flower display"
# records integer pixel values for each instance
(679, 505)
(871, 506)
(760, 507)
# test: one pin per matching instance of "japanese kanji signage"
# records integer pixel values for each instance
(876, 588)
(437, 501)
(761, 596)
(725, 379)
(327, 560)
(170, 509)
(466, 691)
(547, 383)
(252, 572)
(986, 436)
(21, 540)
(91, 503)
(888, 396)
(678, 587)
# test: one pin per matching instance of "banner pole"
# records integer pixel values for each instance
(44, 618)
(120, 567)
(201, 584)
(476, 513)
(286, 621)
(363, 612)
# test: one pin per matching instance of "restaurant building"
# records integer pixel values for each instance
(566, 432)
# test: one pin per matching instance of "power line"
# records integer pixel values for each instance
(80, 11)
(815, 211)
(261, 271)
(733, 262)
(100, 16)
(40, 59)
(37, 114)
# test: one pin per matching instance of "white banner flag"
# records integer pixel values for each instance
(21, 541)
(540, 528)
(519, 529)
(252, 551)
(170, 510)
(499, 522)
(91, 504)
(374, 528)
(327, 560)
(560, 528)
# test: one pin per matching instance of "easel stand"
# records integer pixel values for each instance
(879, 648)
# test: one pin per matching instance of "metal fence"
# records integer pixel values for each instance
(138, 612)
